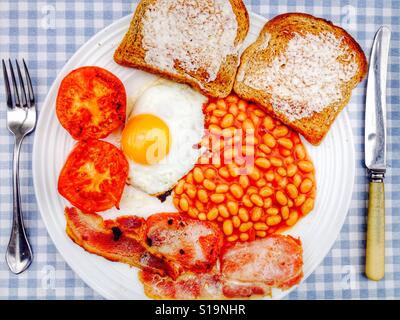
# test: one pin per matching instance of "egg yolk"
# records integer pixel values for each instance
(145, 139)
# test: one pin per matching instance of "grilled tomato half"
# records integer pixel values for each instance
(91, 103)
(94, 176)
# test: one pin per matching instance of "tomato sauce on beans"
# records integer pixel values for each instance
(255, 177)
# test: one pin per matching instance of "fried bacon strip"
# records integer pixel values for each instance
(121, 240)
(192, 244)
(275, 261)
(166, 244)
(247, 269)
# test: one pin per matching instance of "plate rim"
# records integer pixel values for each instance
(91, 283)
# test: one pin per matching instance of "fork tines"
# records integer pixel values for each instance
(20, 95)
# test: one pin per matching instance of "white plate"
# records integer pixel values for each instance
(334, 162)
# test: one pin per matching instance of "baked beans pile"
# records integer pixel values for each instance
(254, 179)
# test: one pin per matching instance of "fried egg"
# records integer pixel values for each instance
(161, 135)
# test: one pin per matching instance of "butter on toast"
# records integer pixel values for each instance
(302, 70)
(195, 42)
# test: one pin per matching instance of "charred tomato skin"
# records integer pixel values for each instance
(91, 103)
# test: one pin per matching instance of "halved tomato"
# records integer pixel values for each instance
(91, 103)
(94, 176)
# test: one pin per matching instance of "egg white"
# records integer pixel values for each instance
(180, 107)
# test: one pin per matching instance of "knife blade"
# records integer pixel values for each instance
(375, 153)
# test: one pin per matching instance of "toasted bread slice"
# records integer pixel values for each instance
(302, 70)
(195, 42)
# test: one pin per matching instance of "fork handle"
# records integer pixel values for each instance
(19, 253)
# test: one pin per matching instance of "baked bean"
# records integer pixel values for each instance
(263, 163)
(269, 140)
(299, 200)
(221, 188)
(264, 148)
(259, 113)
(307, 206)
(260, 226)
(245, 226)
(305, 166)
(248, 125)
(223, 172)
(236, 191)
(280, 131)
(266, 192)
(293, 216)
(306, 186)
(272, 211)
(257, 200)
(261, 183)
(198, 175)
(244, 237)
(254, 174)
(221, 104)
(202, 216)
(268, 123)
(292, 191)
(202, 195)
(232, 99)
(209, 185)
(233, 207)
(273, 220)
(227, 120)
(261, 234)
(227, 227)
(211, 107)
(184, 204)
(243, 215)
(300, 152)
(233, 109)
(193, 212)
(179, 187)
(281, 198)
(232, 238)
(199, 206)
(212, 214)
(285, 212)
(281, 171)
(291, 170)
(286, 143)
(209, 173)
(241, 116)
(256, 214)
(219, 113)
(223, 211)
(267, 203)
(244, 181)
(276, 162)
(236, 221)
(270, 176)
(246, 201)
(251, 190)
(217, 198)
(191, 192)
(297, 180)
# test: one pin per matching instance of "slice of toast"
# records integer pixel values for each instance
(195, 42)
(302, 70)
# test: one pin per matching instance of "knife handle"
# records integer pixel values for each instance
(375, 256)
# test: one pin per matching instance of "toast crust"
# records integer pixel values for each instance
(132, 54)
(315, 127)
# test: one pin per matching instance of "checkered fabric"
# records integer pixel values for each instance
(48, 32)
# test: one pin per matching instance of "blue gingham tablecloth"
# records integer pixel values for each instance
(47, 33)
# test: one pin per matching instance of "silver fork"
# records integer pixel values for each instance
(21, 120)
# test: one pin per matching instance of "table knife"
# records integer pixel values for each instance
(375, 154)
